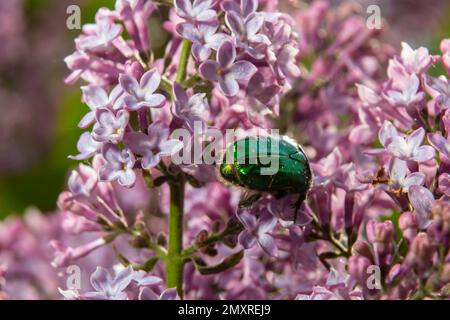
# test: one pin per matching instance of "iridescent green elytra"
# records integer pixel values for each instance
(246, 163)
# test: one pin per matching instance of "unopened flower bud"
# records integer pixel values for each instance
(201, 237)
(134, 69)
(362, 248)
(444, 184)
(381, 232)
(357, 268)
(161, 239)
(445, 274)
(441, 213)
(408, 223)
(421, 252)
(394, 273)
(64, 201)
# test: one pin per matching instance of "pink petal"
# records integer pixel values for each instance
(87, 120)
(95, 96)
(387, 133)
(242, 70)
(440, 143)
(424, 153)
(150, 81)
(228, 85)
(180, 94)
(127, 178)
(155, 100)
(414, 179)
(235, 23)
(129, 84)
(226, 54)
(415, 139)
(208, 70)
(254, 23)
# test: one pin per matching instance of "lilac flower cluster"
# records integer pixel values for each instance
(25, 256)
(125, 284)
(376, 222)
(129, 93)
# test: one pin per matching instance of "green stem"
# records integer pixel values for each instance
(211, 240)
(184, 59)
(174, 262)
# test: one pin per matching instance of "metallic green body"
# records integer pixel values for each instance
(292, 177)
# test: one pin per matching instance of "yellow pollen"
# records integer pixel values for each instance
(220, 72)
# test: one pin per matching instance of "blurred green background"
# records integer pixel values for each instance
(39, 182)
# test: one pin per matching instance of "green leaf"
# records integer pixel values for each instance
(160, 181)
(329, 255)
(227, 263)
(248, 198)
(148, 179)
(148, 265)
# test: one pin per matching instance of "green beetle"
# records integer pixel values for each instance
(245, 160)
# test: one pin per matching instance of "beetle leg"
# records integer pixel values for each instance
(298, 204)
(248, 198)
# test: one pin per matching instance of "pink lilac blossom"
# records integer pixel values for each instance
(378, 149)
(355, 186)
(226, 71)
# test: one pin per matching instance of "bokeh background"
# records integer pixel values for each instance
(39, 114)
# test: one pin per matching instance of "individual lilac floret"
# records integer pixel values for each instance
(225, 71)
(417, 60)
(444, 183)
(197, 10)
(367, 95)
(286, 62)
(64, 256)
(326, 169)
(246, 32)
(110, 127)
(422, 201)
(439, 89)
(148, 294)
(104, 33)
(263, 91)
(70, 294)
(97, 98)
(119, 165)
(366, 131)
(244, 8)
(142, 279)
(404, 147)
(408, 96)
(346, 178)
(400, 179)
(87, 147)
(203, 36)
(441, 144)
(142, 94)
(409, 147)
(154, 145)
(190, 109)
(135, 15)
(257, 230)
(82, 181)
(108, 287)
